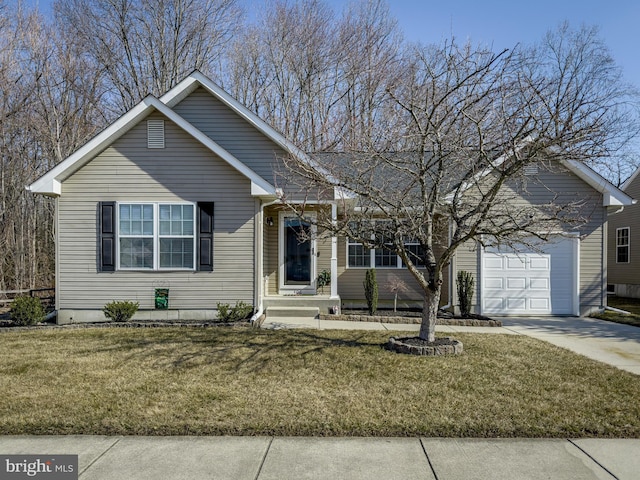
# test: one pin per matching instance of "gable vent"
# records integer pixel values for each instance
(155, 133)
(531, 169)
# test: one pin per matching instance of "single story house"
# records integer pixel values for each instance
(624, 236)
(179, 194)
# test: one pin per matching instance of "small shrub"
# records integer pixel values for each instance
(371, 290)
(227, 313)
(324, 279)
(27, 311)
(465, 291)
(396, 286)
(120, 311)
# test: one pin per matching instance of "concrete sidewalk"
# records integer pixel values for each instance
(267, 458)
(612, 343)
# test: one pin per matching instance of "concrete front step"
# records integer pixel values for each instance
(297, 311)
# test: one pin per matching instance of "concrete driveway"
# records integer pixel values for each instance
(608, 342)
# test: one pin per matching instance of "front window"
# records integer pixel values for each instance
(358, 256)
(154, 236)
(136, 235)
(622, 245)
(176, 236)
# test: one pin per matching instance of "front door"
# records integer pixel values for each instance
(297, 265)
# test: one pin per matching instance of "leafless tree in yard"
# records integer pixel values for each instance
(464, 125)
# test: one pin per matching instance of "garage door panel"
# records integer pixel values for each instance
(517, 303)
(516, 283)
(494, 304)
(539, 284)
(540, 263)
(493, 262)
(539, 304)
(515, 263)
(494, 283)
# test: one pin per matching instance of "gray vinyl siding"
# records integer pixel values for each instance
(231, 132)
(625, 273)
(128, 171)
(350, 282)
(560, 185)
(271, 252)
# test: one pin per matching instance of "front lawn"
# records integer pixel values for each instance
(631, 305)
(240, 381)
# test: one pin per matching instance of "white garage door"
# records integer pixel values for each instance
(528, 282)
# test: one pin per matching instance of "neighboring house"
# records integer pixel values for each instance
(623, 241)
(179, 193)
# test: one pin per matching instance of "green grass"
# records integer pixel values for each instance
(631, 305)
(239, 381)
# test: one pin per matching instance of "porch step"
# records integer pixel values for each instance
(297, 311)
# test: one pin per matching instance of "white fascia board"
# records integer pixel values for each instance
(611, 195)
(50, 183)
(257, 190)
(341, 193)
(629, 180)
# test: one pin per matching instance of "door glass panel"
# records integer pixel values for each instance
(297, 252)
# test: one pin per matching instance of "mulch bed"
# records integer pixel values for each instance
(7, 325)
(411, 317)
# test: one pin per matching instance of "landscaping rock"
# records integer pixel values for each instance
(418, 346)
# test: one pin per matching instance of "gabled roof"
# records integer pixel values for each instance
(611, 195)
(198, 79)
(50, 183)
(630, 180)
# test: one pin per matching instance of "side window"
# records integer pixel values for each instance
(622, 245)
(357, 254)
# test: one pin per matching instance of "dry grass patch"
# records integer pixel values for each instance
(255, 382)
(631, 305)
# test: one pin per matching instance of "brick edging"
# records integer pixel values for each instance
(461, 322)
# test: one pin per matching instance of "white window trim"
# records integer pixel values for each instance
(372, 258)
(627, 245)
(311, 288)
(156, 237)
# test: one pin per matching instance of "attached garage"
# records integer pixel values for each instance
(526, 281)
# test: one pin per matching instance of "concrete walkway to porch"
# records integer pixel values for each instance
(612, 343)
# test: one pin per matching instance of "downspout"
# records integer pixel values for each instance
(260, 296)
(603, 258)
(450, 268)
(603, 263)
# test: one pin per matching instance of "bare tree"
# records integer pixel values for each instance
(148, 46)
(463, 124)
(317, 77)
(50, 101)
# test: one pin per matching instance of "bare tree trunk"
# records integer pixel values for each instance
(430, 314)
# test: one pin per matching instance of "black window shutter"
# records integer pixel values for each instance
(205, 236)
(107, 236)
